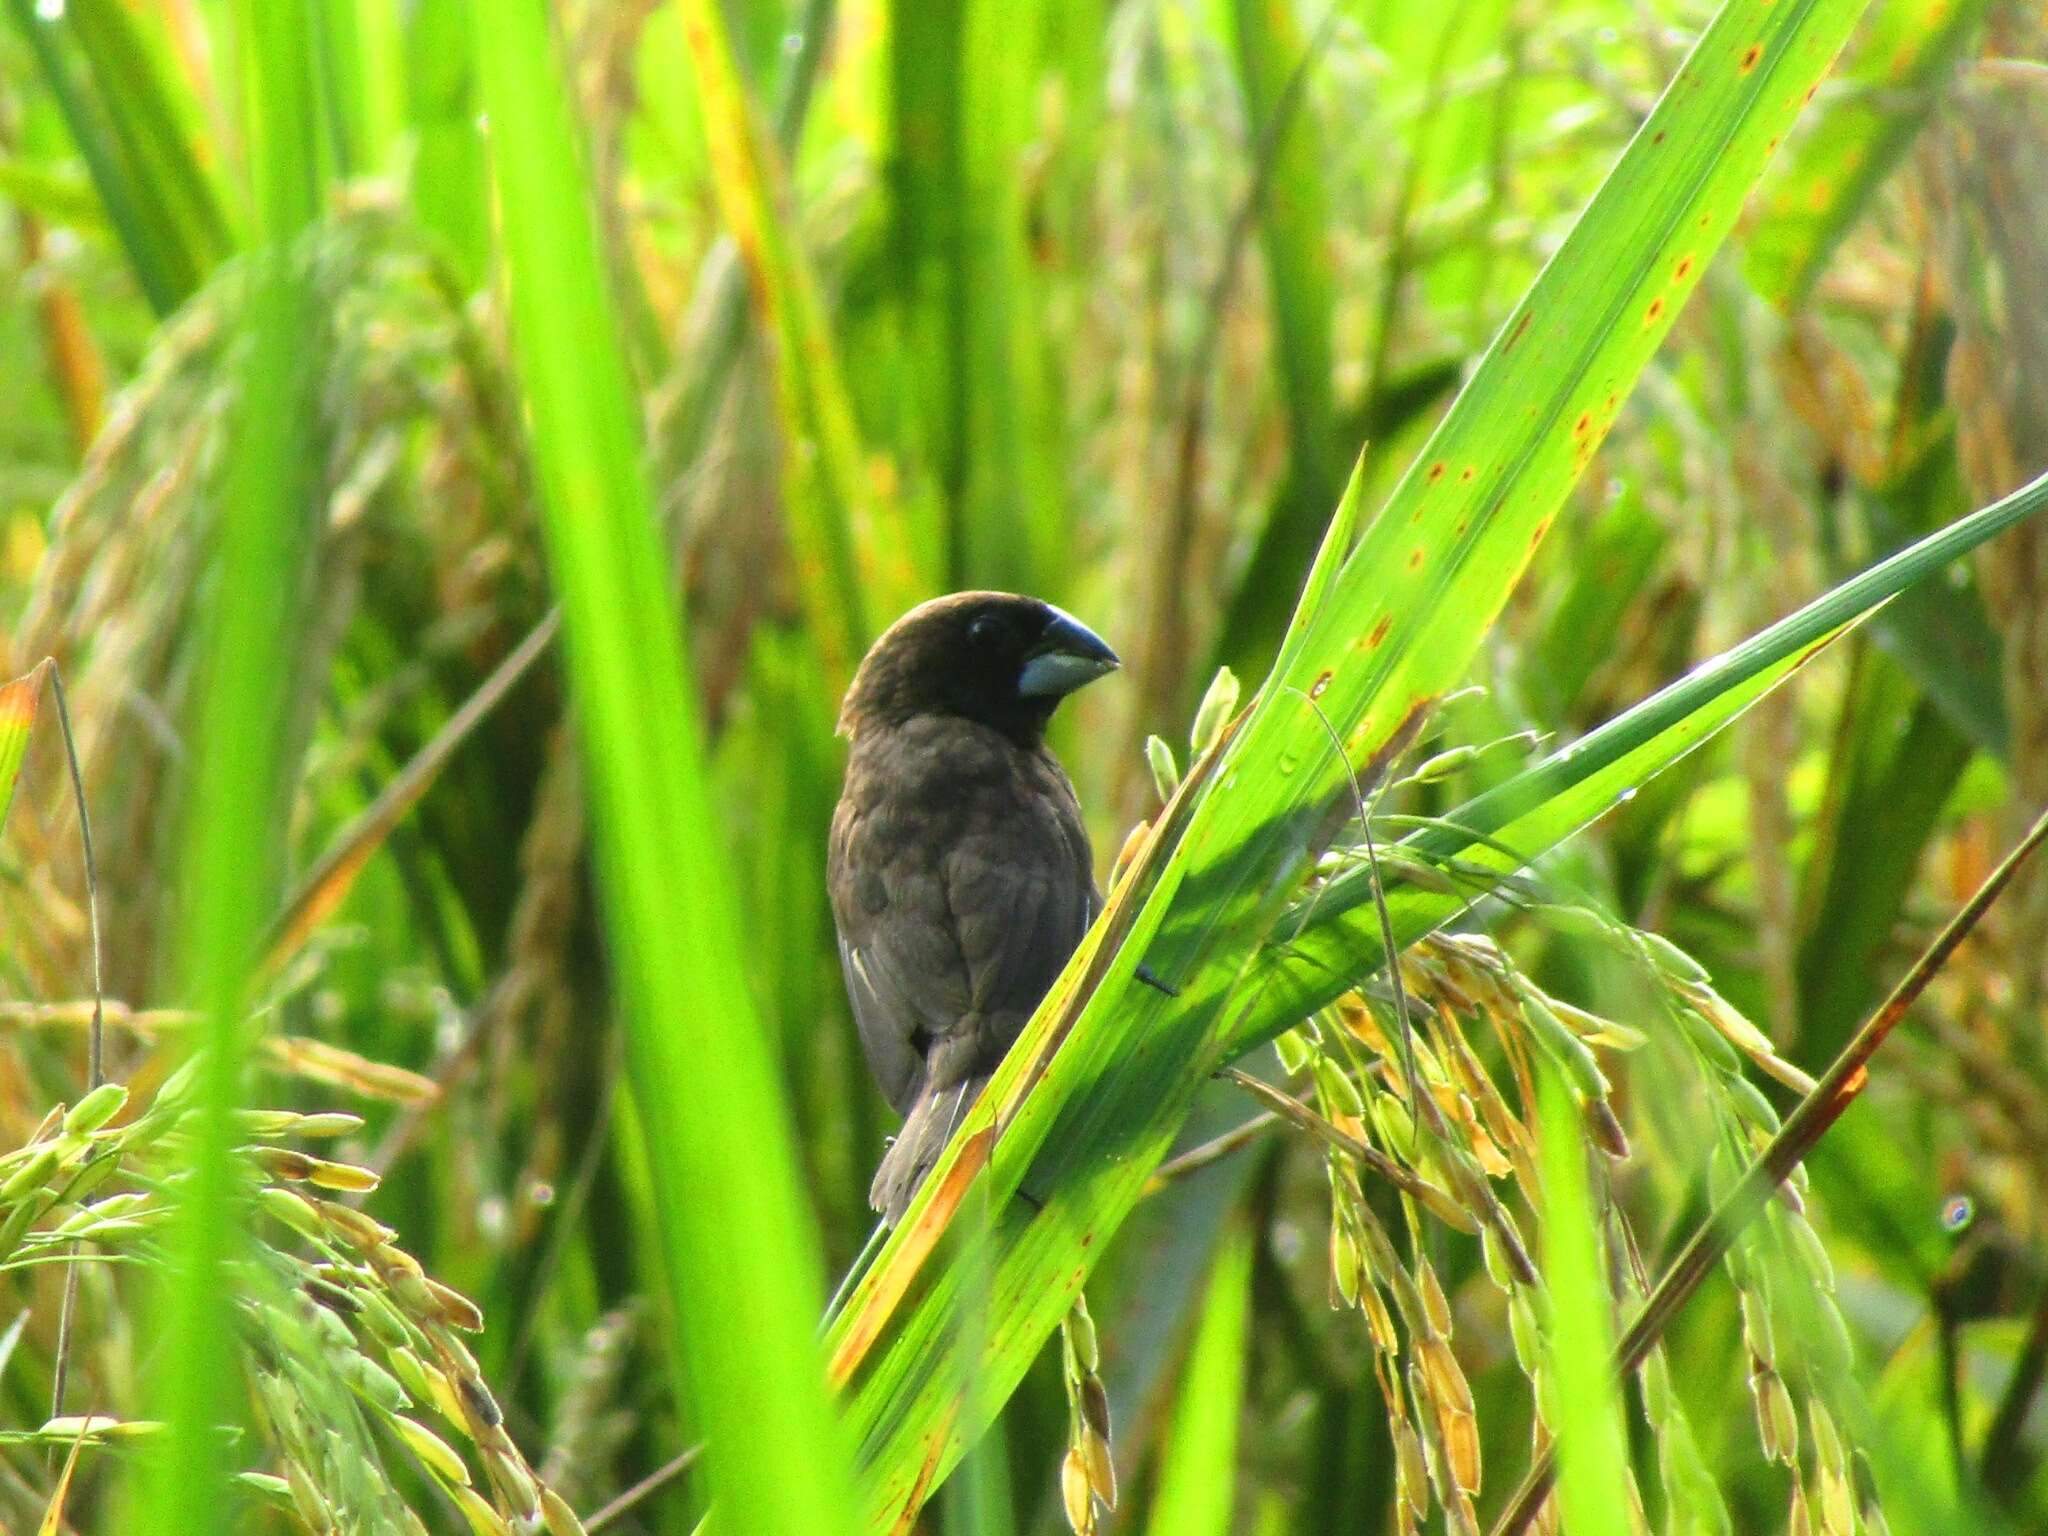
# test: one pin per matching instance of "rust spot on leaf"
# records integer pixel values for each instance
(1584, 423)
(1436, 471)
(1415, 558)
(1683, 270)
(1315, 689)
(1657, 137)
(1655, 313)
(1749, 59)
(1379, 631)
(1515, 335)
(933, 1450)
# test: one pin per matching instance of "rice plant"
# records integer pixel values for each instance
(1559, 1048)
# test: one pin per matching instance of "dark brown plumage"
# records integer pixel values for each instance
(959, 869)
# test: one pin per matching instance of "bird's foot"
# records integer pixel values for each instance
(1151, 978)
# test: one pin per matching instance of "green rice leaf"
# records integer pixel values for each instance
(1094, 1091)
(241, 773)
(716, 1138)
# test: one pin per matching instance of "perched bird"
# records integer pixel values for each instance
(959, 868)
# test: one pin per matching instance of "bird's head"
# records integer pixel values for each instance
(993, 657)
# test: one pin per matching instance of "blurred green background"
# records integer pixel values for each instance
(1097, 299)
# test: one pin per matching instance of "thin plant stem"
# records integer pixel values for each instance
(95, 1051)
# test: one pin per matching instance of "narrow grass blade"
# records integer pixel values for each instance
(161, 270)
(165, 169)
(741, 1261)
(235, 813)
(1823, 1106)
(681, 431)
(326, 885)
(1583, 1405)
(1197, 1481)
(1895, 762)
(1010, 522)
(1615, 558)
(1294, 233)
(159, 200)
(53, 1517)
(447, 182)
(927, 219)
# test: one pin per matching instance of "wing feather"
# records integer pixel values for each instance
(948, 942)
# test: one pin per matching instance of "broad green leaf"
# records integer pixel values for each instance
(740, 1257)
(1332, 938)
(1095, 1090)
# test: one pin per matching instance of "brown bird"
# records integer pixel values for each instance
(959, 870)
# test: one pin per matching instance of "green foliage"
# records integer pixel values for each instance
(732, 1232)
(1634, 685)
(1587, 1409)
(1197, 1459)
(1368, 655)
(244, 761)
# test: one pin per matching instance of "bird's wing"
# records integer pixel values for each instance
(897, 948)
(1017, 922)
(948, 944)
(1022, 895)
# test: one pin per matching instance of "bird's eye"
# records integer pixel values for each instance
(986, 630)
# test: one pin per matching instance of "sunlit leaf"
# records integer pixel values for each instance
(1092, 1094)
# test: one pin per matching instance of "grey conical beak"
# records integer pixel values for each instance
(1068, 655)
(1065, 658)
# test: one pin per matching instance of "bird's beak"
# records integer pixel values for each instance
(1068, 656)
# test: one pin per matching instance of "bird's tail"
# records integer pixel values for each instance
(933, 1118)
